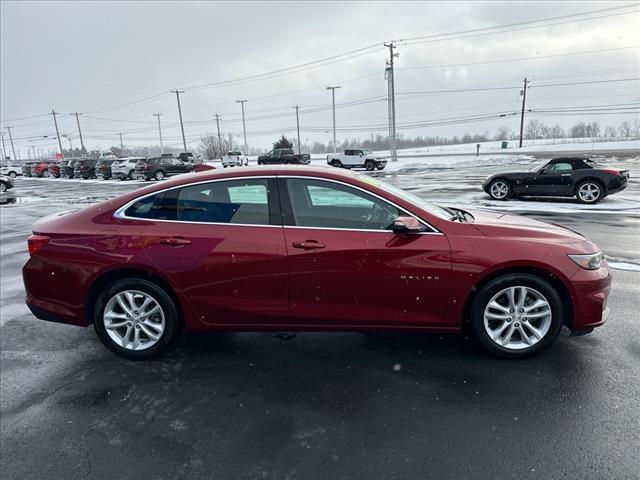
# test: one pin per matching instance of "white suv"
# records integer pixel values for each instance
(11, 170)
(124, 168)
(235, 159)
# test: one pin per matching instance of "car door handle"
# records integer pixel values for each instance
(175, 241)
(308, 245)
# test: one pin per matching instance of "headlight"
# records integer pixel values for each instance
(591, 261)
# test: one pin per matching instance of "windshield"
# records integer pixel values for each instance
(409, 197)
(537, 167)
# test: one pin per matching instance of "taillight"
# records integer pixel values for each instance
(613, 171)
(35, 243)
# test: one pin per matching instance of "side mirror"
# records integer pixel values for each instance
(402, 225)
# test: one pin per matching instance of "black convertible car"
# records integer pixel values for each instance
(588, 181)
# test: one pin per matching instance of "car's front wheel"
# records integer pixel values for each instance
(589, 192)
(3, 187)
(136, 319)
(159, 175)
(13, 174)
(517, 315)
(500, 189)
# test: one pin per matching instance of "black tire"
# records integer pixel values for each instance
(369, 166)
(590, 192)
(173, 326)
(13, 174)
(3, 187)
(159, 175)
(494, 188)
(130, 175)
(336, 163)
(495, 286)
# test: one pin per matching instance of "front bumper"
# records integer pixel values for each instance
(591, 289)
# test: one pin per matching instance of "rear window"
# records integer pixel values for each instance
(234, 153)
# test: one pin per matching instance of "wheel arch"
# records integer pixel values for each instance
(104, 279)
(592, 178)
(555, 280)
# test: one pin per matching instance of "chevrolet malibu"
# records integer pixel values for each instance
(300, 248)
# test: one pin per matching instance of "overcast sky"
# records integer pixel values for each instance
(93, 57)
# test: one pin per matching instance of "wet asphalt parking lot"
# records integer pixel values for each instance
(323, 405)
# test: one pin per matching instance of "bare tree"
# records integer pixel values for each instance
(625, 129)
(504, 133)
(210, 147)
(533, 130)
(556, 132)
(610, 132)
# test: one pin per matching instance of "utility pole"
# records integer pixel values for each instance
(83, 151)
(297, 107)
(121, 144)
(55, 121)
(219, 136)
(4, 148)
(12, 147)
(244, 128)
(68, 137)
(178, 92)
(524, 99)
(158, 115)
(392, 101)
(333, 103)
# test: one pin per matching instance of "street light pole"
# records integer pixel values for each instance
(13, 149)
(333, 103)
(244, 128)
(184, 142)
(158, 115)
(83, 151)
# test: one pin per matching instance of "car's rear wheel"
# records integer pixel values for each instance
(159, 175)
(517, 315)
(369, 165)
(13, 174)
(136, 319)
(336, 163)
(589, 192)
(500, 189)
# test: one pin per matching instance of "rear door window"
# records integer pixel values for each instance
(234, 201)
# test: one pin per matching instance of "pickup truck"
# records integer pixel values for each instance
(235, 159)
(357, 158)
(284, 155)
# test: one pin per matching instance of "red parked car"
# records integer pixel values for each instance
(299, 248)
(41, 169)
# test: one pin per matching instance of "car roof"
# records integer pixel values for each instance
(568, 159)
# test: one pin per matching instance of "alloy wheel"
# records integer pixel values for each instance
(589, 192)
(517, 317)
(499, 190)
(3, 187)
(134, 320)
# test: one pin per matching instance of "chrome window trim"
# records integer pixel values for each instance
(119, 213)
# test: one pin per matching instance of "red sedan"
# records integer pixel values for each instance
(299, 248)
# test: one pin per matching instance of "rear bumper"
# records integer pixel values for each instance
(591, 289)
(617, 188)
